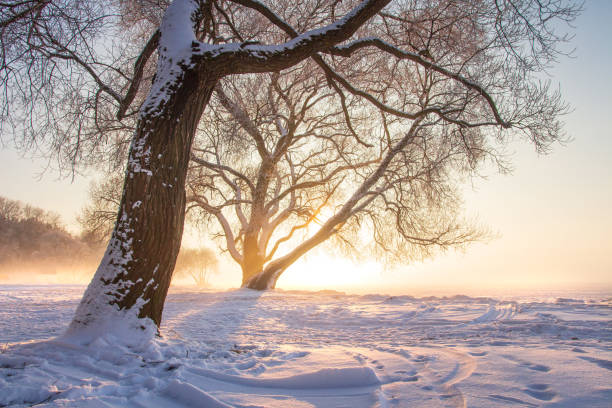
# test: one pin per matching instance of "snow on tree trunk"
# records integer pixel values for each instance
(137, 267)
(135, 272)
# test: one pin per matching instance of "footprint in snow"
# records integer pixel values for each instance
(500, 343)
(377, 364)
(478, 353)
(513, 400)
(532, 366)
(536, 367)
(541, 392)
(406, 376)
(607, 364)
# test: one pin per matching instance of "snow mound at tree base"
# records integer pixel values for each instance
(123, 331)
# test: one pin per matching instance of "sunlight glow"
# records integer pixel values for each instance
(324, 271)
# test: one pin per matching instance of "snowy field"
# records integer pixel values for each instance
(299, 349)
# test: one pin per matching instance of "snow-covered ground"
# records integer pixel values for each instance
(301, 349)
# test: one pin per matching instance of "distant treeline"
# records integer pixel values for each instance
(36, 248)
(33, 240)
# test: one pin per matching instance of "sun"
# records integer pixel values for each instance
(323, 271)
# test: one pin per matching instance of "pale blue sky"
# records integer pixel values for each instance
(553, 214)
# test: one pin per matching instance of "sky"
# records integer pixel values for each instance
(552, 216)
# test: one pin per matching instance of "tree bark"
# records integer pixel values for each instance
(136, 270)
(252, 263)
(262, 280)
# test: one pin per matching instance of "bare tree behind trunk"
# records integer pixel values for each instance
(199, 264)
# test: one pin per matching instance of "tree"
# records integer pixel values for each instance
(62, 49)
(336, 172)
(199, 264)
(33, 241)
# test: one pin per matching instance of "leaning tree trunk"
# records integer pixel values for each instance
(254, 274)
(251, 270)
(263, 280)
(136, 270)
(134, 275)
(266, 277)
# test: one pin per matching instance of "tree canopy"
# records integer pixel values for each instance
(280, 169)
(458, 74)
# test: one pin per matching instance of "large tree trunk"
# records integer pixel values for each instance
(262, 279)
(136, 270)
(252, 263)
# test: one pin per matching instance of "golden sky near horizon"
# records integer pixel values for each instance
(553, 215)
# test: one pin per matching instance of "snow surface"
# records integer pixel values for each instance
(242, 348)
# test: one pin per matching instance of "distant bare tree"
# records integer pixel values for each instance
(10, 210)
(33, 240)
(198, 263)
(289, 160)
(78, 71)
(16, 211)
